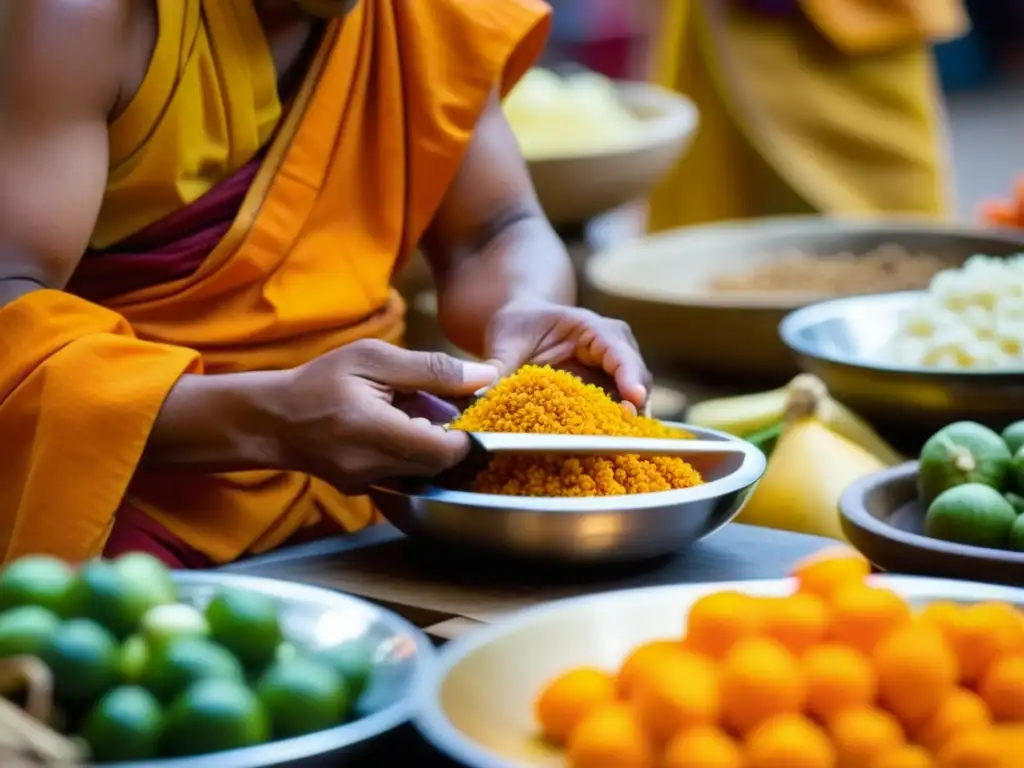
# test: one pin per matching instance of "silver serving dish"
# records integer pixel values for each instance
(477, 706)
(316, 618)
(583, 530)
(841, 342)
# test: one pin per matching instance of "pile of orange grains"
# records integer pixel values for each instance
(546, 401)
(839, 674)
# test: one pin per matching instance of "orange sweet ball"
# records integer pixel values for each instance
(684, 694)
(862, 615)
(789, 741)
(943, 615)
(982, 634)
(905, 756)
(797, 621)
(644, 664)
(825, 572)
(959, 712)
(972, 749)
(610, 737)
(861, 734)
(759, 679)
(569, 698)
(1002, 689)
(702, 747)
(717, 621)
(837, 678)
(916, 671)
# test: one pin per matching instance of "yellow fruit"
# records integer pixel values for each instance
(837, 677)
(684, 694)
(809, 470)
(743, 415)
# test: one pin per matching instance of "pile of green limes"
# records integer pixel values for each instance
(972, 481)
(140, 675)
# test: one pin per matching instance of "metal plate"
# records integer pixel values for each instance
(316, 618)
(477, 706)
(580, 530)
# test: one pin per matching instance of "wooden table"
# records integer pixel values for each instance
(448, 595)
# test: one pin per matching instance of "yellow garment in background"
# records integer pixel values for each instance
(834, 110)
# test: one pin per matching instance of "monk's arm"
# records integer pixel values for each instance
(490, 242)
(59, 82)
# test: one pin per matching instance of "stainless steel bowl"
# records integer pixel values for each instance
(840, 341)
(316, 618)
(584, 530)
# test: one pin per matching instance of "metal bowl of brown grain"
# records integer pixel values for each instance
(711, 298)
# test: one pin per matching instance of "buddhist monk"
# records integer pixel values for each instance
(202, 204)
(807, 106)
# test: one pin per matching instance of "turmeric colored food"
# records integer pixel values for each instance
(541, 400)
(839, 674)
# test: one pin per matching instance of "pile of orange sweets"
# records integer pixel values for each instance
(842, 673)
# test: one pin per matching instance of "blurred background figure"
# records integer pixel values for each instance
(829, 106)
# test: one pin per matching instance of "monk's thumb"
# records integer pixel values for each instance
(433, 372)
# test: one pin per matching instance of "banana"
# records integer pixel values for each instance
(743, 415)
(762, 413)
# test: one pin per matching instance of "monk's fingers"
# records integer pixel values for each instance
(408, 371)
(422, 448)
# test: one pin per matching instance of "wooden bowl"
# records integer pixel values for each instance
(477, 707)
(575, 189)
(883, 517)
(661, 285)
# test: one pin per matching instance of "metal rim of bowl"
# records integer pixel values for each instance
(749, 472)
(289, 751)
(892, 225)
(439, 731)
(799, 320)
(854, 512)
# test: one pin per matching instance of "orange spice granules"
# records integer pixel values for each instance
(542, 400)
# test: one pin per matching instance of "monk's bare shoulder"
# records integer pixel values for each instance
(62, 55)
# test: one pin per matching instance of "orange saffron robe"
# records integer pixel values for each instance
(352, 178)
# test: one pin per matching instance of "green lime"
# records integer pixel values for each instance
(178, 664)
(301, 696)
(124, 725)
(962, 453)
(37, 580)
(103, 594)
(973, 514)
(149, 571)
(84, 659)
(1017, 470)
(24, 630)
(212, 716)
(134, 658)
(353, 660)
(1017, 502)
(1013, 436)
(171, 622)
(1017, 534)
(247, 624)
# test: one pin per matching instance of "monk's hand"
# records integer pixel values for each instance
(571, 338)
(342, 423)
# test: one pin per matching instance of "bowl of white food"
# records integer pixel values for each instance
(923, 358)
(593, 144)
